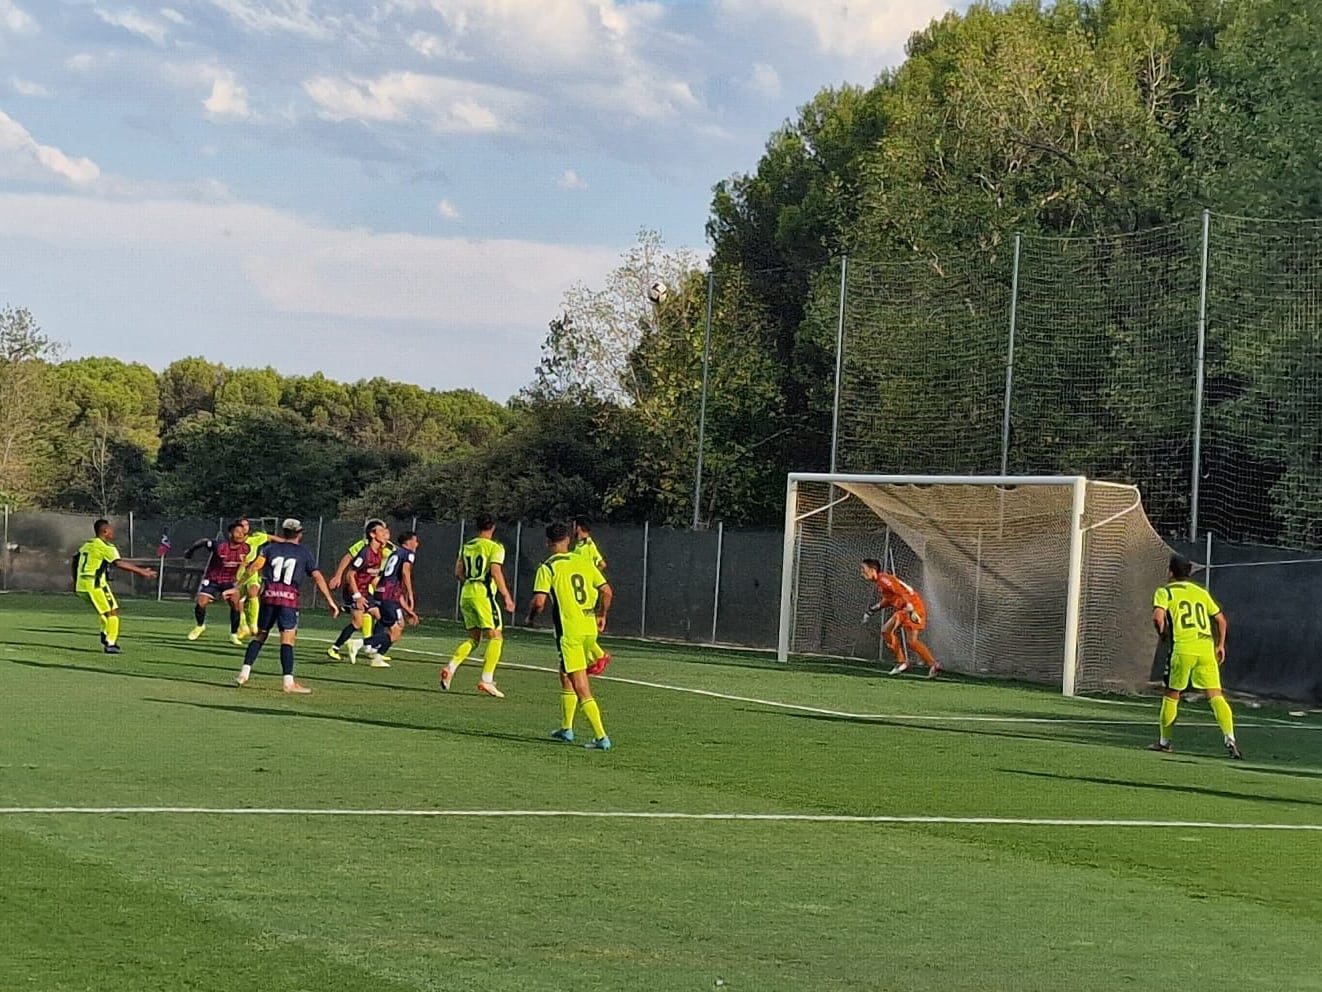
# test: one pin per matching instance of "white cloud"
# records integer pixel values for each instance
(857, 29)
(26, 87)
(228, 100)
(571, 180)
(764, 81)
(449, 106)
(433, 46)
(447, 210)
(23, 157)
(174, 17)
(15, 19)
(279, 17)
(133, 22)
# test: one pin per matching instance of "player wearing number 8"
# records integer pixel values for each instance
(580, 598)
(1185, 612)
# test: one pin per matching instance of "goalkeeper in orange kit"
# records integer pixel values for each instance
(907, 621)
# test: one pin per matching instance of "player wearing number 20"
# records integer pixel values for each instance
(580, 599)
(283, 564)
(1184, 612)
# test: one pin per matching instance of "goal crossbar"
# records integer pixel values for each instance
(1078, 485)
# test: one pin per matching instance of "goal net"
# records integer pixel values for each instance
(1042, 578)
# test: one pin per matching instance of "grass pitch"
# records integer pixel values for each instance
(405, 887)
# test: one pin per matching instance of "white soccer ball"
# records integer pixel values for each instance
(658, 291)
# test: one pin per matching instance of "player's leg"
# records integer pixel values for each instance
(1177, 680)
(261, 631)
(574, 661)
(598, 658)
(475, 610)
(252, 606)
(105, 604)
(354, 607)
(911, 632)
(495, 634)
(890, 635)
(375, 648)
(288, 622)
(1207, 677)
(568, 708)
(200, 605)
(231, 598)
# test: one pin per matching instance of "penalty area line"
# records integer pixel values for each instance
(515, 814)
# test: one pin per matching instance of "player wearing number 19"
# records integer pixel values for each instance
(91, 574)
(580, 597)
(481, 569)
(283, 565)
(1184, 612)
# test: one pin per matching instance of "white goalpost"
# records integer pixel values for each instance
(1042, 578)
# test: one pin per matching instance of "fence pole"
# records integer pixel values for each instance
(1009, 357)
(716, 594)
(4, 555)
(414, 526)
(160, 580)
(977, 597)
(702, 403)
(320, 522)
(459, 587)
(518, 550)
(642, 615)
(1207, 567)
(839, 363)
(131, 534)
(1200, 370)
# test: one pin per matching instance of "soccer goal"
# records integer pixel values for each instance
(1042, 578)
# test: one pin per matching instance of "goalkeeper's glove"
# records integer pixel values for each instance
(868, 614)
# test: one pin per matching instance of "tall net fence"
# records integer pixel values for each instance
(1081, 356)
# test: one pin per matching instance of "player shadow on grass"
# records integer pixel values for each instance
(364, 721)
(1193, 790)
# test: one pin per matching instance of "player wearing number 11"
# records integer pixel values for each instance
(1185, 612)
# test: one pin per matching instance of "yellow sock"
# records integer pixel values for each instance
(112, 629)
(1224, 719)
(494, 647)
(568, 707)
(250, 607)
(593, 712)
(594, 650)
(460, 653)
(367, 626)
(1169, 709)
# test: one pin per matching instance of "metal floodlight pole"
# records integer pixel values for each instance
(1009, 358)
(518, 550)
(642, 618)
(716, 590)
(702, 403)
(4, 555)
(1200, 371)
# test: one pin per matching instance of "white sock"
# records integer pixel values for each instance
(289, 680)
(488, 678)
(245, 671)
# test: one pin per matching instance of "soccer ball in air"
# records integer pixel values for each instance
(658, 291)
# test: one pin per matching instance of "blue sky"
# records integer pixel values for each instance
(394, 187)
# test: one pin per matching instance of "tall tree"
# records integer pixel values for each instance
(25, 404)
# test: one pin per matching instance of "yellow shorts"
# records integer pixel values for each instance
(101, 598)
(575, 651)
(1197, 669)
(477, 604)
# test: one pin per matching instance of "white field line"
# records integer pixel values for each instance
(844, 714)
(508, 814)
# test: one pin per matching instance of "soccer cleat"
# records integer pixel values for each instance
(563, 734)
(333, 654)
(236, 640)
(900, 669)
(490, 689)
(599, 666)
(197, 632)
(245, 631)
(241, 680)
(353, 647)
(104, 640)
(1159, 746)
(378, 662)
(598, 744)
(384, 657)
(1232, 749)
(933, 671)
(446, 675)
(111, 648)
(298, 690)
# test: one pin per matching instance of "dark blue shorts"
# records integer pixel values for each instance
(391, 612)
(272, 617)
(213, 589)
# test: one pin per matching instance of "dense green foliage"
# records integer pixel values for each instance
(1111, 119)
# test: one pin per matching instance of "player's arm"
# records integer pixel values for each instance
(1222, 625)
(406, 580)
(535, 607)
(351, 579)
(197, 546)
(498, 573)
(460, 570)
(322, 588)
(1160, 618)
(338, 577)
(128, 566)
(605, 595)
